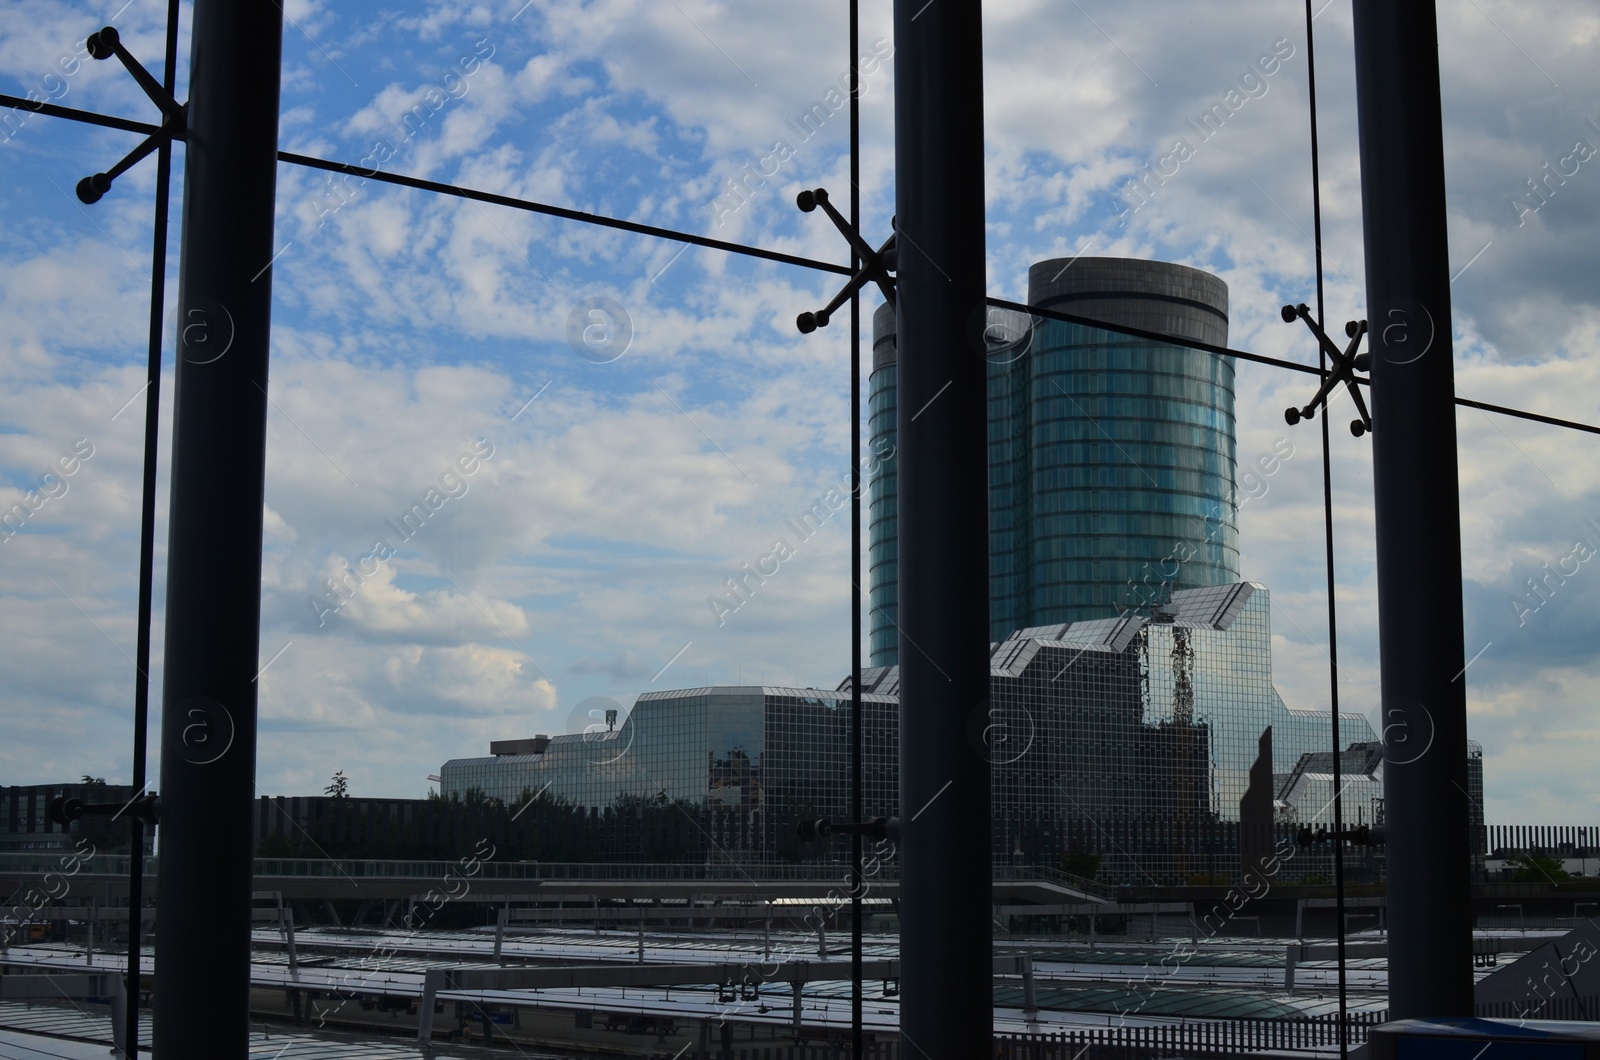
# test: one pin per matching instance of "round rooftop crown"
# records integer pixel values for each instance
(1154, 295)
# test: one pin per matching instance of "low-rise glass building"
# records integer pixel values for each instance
(737, 747)
(1305, 793)
(1092, 727)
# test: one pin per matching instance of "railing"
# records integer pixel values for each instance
(1222, 1038)
(548, 870)
(356, 868)
(1237, 1037)
(65, 863)
(1536, 1007)
(1060, 879)
(804, 1051)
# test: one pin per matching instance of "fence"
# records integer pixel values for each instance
(1555, 840)
(1537, 1008)
(1215, 1037)
(1132, 848)
(835, 1051)
(1235, 1037)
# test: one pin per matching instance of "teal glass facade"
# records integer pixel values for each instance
(1111, 459)
(883, 577)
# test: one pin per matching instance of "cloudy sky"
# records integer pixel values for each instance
(626, 478)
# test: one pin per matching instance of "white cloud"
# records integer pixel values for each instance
(579, 559)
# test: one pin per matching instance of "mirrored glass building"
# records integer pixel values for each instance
(1128, 737)
(1111, 458)
(736, 747)
(1131, 692)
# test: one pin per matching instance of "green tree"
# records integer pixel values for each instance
(338, 787)
(1535, 868)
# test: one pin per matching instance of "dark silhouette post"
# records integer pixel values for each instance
(208, 716)
(1255, 812)
(946, 960)
(1417, 505)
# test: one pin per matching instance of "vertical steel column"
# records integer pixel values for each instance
(147, 545)
(1417, 504)
(208, 717)
(945, 943)
(857, 768)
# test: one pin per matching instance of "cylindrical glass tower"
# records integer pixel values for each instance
(1120, 451)
(1111, 459)
(883, 542)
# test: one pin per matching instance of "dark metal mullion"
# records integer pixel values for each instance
(1417, 508)
(213, 598)
(1327, 528)
(946, 877)
(857, 1037)
(147, 534)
